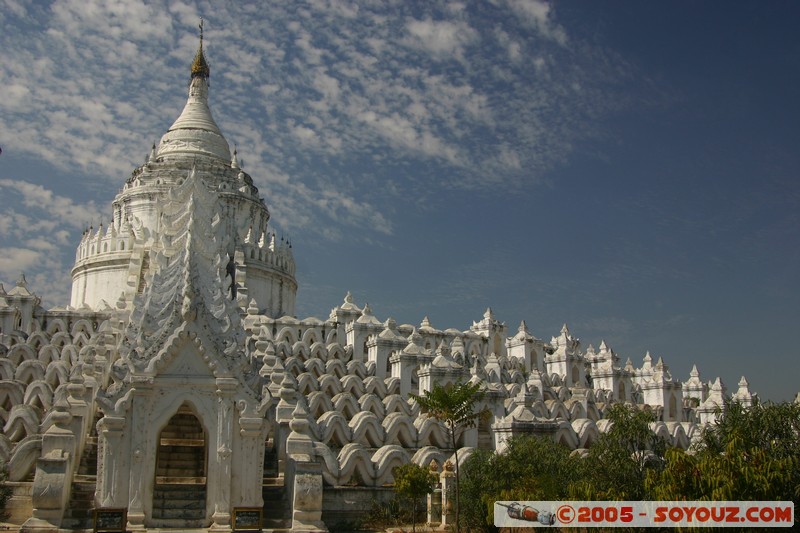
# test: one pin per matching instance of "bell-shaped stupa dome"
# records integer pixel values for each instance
(195, 133)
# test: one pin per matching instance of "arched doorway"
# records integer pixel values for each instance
(179, 496)
(485, 437)
(673, 409)
(576, 376)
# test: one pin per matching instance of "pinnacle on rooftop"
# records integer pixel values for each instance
(200, 65)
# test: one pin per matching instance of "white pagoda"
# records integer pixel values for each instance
(179, 386)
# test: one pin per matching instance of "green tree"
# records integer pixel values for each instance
(750, 453)
(478, 484)
(454, 406)
(617, 464)
(531, 468)
(413, 482)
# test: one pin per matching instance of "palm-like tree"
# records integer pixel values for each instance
(454, 406)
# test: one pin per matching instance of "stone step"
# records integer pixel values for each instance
(193, 457)
(180, 491)
(181, 480)
(192, 441)
(275, 507)
(181, 463)
(180, 476)
(184, 502)
(179, 470)
(77, 523)
(182, 434)
(176, 462)
(178, 523)
(183, 416)
(273, 503)
(80, 505)
(270, 454)
(179, 486)
(277, 525)
(181, 500)
(191, 466)
(182, 428)
(87, 470)
(188, 449)
(167, 489)
(186, 514)
(79, 512)
(83, 486)
(192, 501)
(271, 468)
(182, 425)
(181, 452)
(190, 493)
(172, 469)
(88, 462)
(81, 496)
(178, 427)
(188, 433)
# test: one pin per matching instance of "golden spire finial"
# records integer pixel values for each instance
(199, 65)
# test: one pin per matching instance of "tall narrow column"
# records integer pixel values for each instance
(224, 452)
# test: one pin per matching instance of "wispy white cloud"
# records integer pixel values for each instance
(60, 209)
(38, 232)
(14, 260)
(442, 39)
(538, 14)
(108, 79)
(322, 98)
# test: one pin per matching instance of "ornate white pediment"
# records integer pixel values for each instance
(187, 366)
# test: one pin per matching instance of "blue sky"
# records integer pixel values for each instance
(629, 168)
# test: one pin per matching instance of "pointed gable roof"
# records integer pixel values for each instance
(187, 286)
